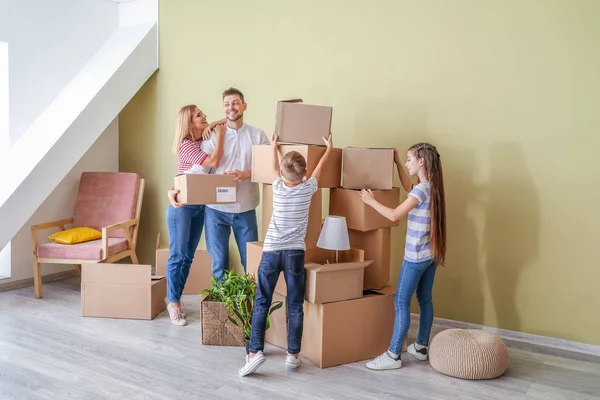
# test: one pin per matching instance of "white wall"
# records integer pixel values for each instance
(102, 156)
(50, 41)
(4, 113)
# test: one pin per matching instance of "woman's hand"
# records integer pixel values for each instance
(172, 193)
(367, 197)
(239, 175)
(206, 133)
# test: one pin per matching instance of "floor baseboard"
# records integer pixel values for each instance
(519, 337)
(45, 278)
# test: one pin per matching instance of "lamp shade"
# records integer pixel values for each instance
(334, 234)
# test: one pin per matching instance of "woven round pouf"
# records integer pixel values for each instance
(469, 354)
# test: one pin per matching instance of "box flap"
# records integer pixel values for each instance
(291, 101)
(116, 274)
(340, 266)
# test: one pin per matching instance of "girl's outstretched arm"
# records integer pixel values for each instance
(393, 214)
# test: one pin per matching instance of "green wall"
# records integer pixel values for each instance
(508, 91)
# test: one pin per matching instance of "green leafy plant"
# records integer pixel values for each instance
(238, 292)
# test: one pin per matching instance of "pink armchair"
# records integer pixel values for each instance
(110, 202)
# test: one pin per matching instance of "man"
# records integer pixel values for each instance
(237, 160)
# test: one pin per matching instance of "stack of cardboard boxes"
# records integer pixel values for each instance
(348, 308)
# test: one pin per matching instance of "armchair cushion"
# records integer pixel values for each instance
(75, 235)
(81, 251)
(106, 198)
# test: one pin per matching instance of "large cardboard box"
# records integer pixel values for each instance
(200, 271)
(315, 212)
(205, 189)
(277, 332)
(377, 246)
(121, 291)
(348, 331)
(262, 163)
(297, 122)
(365, 168)
(360, 216)
(325, 280)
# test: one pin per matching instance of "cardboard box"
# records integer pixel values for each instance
(277, 332)
(315, 212)
(297, 122)
(200, 271)
(325, 280)
(215, 326)
(360, 216)
(364, 168)
(348, 331)
(377, 246)
(205, 189)
(262, 163)
(121, 291)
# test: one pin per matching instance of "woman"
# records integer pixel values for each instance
(185, 223)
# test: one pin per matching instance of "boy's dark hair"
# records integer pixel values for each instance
(293, 166)
(232, 91)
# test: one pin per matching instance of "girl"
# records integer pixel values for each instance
(425, 248)
(185, 223)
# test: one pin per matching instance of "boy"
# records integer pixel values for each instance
(283, 250)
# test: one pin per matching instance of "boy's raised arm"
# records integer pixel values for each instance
(317, 172)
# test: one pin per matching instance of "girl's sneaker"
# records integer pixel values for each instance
(252, 364)
(384, 362)
(292, 362)
(420, 354)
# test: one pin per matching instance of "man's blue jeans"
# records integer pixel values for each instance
(218, 231)
(291, 262)
(185, 228)
(413, 277)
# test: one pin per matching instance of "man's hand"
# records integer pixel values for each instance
(239, 175)
(172, 193)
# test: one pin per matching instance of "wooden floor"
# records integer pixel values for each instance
(48, 351)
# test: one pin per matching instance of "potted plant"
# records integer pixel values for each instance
(238, 293)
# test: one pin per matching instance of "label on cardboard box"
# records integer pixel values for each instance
(225, 194)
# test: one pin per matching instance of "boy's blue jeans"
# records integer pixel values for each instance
(291, 262)
(185, 228)
(218, 231)
(413, 277)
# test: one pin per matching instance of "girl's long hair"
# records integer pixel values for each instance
(184, 119)
(435, 176)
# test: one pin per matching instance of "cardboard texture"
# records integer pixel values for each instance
(360, 216)
(200, 270)
(325, 280)
(216, 328)
(315, 212)
(205, 189)
(277, 332)
(348, 331)
(262, 163)
(121, 291)
(377, 247)
(364, 168)
(297, 122)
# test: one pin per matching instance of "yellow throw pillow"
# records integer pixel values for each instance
(75, 235)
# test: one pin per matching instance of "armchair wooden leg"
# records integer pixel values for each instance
(78, 268)
(37, 279)
(134, 258)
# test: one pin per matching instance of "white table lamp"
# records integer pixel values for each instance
(334, 235)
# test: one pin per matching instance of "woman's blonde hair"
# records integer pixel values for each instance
(184, 119)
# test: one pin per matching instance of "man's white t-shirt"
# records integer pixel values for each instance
(237, 155)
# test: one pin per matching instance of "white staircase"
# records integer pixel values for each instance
(67, 128)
